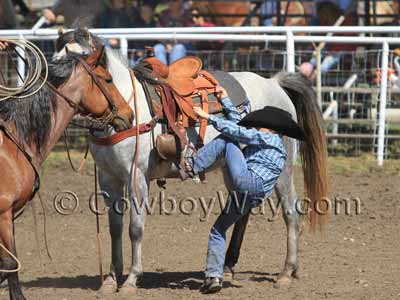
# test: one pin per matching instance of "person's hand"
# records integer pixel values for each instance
(221, 92)
(49, 15)
(3, 45)
(200, 112)
(168, 47)
(307, 69)
(113, 42)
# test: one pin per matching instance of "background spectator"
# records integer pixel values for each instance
(147, 17)
(268, 10)
(84, 13)
(328, 13)
(119, 14)
(146, 20)
(8, 18)
(175, 16)
(199, 21)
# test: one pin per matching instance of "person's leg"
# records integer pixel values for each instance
(243, 181)
(329, 62)
(160, 52)
(178, 51)
(208, 154)
(234, 211)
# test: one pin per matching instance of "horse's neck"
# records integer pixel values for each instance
(123, 81)
(61, 116)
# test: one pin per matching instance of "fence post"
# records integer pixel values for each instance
(382, 103)
(21, 63)
(290, 52)
(124, 46)
(319, 77)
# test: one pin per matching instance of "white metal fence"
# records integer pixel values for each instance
(341, 100)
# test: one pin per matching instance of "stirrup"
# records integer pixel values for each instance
(186, 169)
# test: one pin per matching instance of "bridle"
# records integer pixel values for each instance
(97, 123)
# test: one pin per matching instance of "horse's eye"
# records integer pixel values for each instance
(109, 80)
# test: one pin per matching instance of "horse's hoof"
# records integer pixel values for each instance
(127, 289)
(282, 282)
(108, 287)
(296, 274)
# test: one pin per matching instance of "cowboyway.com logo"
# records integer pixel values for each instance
(67, 203)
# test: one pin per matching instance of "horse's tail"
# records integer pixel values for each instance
(314, 150)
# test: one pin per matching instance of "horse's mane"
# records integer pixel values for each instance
(82, 36)
(32, 115)
(116, 56)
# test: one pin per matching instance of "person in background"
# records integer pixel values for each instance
(199, 21)
(119, 14)
(147, 19)
(8, 18)
(175, 16)
(3, 45)
(84, 13)
(268, 10)
(328, 13)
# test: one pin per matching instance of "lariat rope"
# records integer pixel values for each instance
(36, 62)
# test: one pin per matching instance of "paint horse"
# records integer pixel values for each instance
(118, 163)
(30, 128)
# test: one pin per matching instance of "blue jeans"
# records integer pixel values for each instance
(178, 51)
(247, 192)
(328, 62)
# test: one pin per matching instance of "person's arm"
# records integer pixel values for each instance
(3, 45)
(230, 110)
(240, 134)
(51, 13)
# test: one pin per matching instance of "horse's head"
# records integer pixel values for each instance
(101, 89)
(99, 98)
(79, 41)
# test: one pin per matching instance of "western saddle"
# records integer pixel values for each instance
(173, 92)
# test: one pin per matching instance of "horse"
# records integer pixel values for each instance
(30, 128)
(133, 163)
(223, 8)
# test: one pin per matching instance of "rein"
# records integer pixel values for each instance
(136, 130)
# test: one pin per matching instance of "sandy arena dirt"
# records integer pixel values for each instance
(356, 258)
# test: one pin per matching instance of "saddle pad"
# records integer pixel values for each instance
(228, 82)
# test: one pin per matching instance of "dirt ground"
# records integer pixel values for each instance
(356, 258)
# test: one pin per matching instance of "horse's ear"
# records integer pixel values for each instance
(60, 32)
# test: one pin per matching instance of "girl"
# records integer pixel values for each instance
(253, 172)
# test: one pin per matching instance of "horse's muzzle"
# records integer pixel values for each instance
(121, 123)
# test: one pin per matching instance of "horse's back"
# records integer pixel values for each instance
(264, 91)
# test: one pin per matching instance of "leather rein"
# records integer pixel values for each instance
(136, 130)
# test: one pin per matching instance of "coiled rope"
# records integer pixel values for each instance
(35, 61)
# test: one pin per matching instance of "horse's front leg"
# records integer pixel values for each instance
(113, 188)
(7, 262)
(139, 198)
(286, 193)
